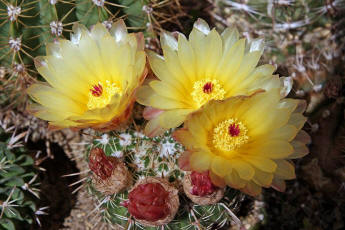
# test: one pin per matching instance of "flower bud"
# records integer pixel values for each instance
(109, 174)
(200, 189)
(153, 201)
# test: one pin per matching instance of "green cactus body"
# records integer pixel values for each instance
(18, 185)
(155, 157)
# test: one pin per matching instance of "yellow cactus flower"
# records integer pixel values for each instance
(246, 142)
(91, 79)
(191, 72)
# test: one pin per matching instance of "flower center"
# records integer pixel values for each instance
(230, 135)
(207, 89)
(97, 90)
(100, 95)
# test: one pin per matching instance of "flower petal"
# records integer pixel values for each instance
(200, 161)
(285, 170)
(262, 163)
(234, 181)
(244, 170)
(300, 150)
(220, 166)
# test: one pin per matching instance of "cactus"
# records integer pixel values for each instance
(19, 183)
(299, 38)
(155, 157)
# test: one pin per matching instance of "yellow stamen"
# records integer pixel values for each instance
(102, 97)
(230, 135)
(207, 89)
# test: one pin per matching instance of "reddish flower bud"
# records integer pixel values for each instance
(100, 164)
(149, 202)
(202, 184)
(110, 175)
(153, 202)
(199, 188)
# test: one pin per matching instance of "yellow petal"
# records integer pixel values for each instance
(146, 96)
(186, 138)
(173, 66)
(285, 170)
(216, 180)
(168, 40)
(303, 137)
(247, 66)
(153, 128)
(119, 31)
(230, 63)
(200, 161)
(278, 184)
(244, 170)
(160, 69)
(229, 37)
(198, 42)
(221, 166)
(173, 118)
(234, 181)
(287, 133)
(187, 57)
(213, 52)
(51, 98)
(202, 26)
(257, 79)
(300, 150)
(166, 90)
(252, 189)
(262, 178)
(273, 149)
(262, 163)
(297, 120)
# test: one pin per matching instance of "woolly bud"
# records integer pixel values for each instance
(153, 201)
(110, 175)
(199, 188)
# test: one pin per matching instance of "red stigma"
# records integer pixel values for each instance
(97, 90)
(208, 87)
(234, 130)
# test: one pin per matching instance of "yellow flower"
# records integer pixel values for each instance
(246, 142)
(208, 66)
(91, 79)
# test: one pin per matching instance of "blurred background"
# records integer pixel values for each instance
(42, 172)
